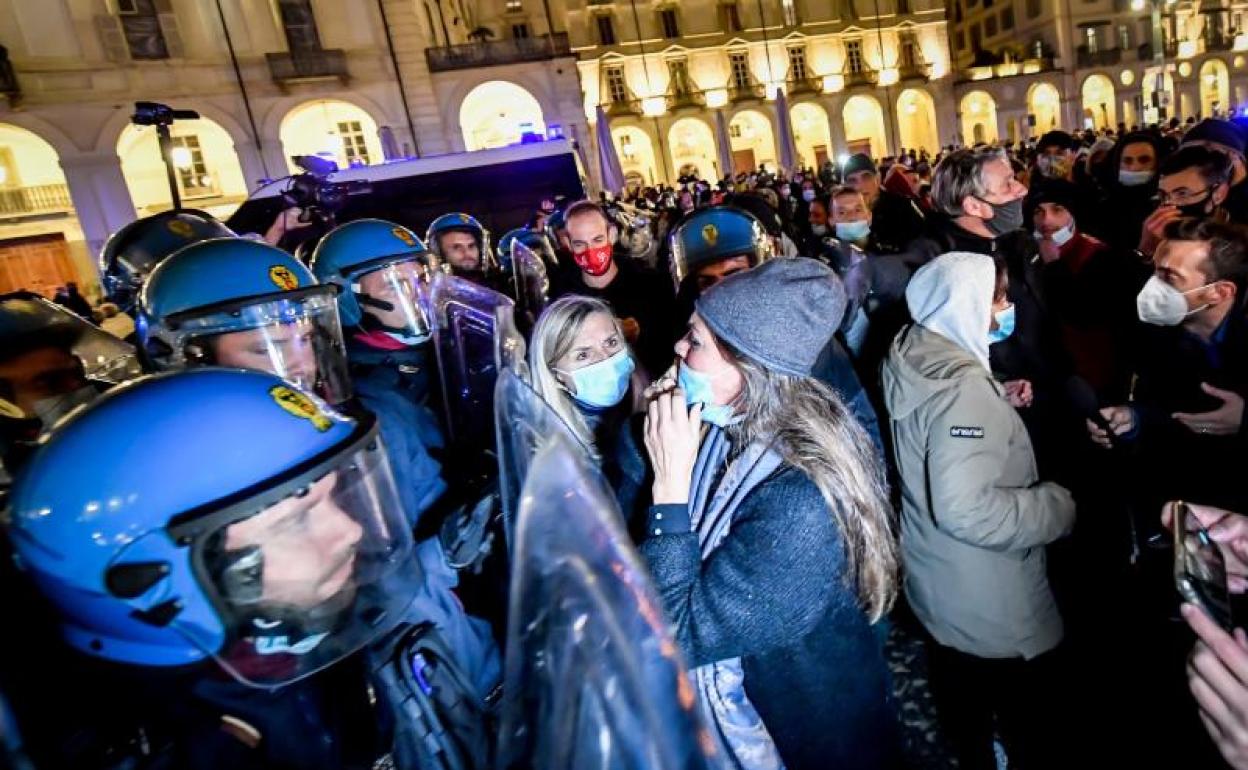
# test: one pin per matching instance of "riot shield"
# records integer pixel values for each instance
(593, 678)
(531, 284)
(523, 423)
(474, 335)
(104, 357)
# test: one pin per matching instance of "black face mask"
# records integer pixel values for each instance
(1006, 217)
(1198, 210)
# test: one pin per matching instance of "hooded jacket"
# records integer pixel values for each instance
(975, 517)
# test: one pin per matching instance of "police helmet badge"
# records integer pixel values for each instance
(180, 228)
(710, 234)
(282, 278)
(300, 406)
(403, 235)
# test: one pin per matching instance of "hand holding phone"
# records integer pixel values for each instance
(1199, 569)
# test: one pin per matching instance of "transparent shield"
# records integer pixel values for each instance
(307, 579)
(532, 285)
(104, 357)
(392, 297)
(593, 678)
(474, 336)
(523, 423)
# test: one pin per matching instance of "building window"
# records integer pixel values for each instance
(1124, 36)
(740, 66)
(1090, 39)
(960, 38)
(667, 17)
(193, 178)
(729, 17)
(987, 3)
(300, 25)
(352, 135)
(616, 90)
(606, 30)
(990, 26)
(515, 5)
(976, 39)
(734, 131)
(678, 77)
(797, 64)
(910, 57)
(1033, 8)
(519, 31)
(1007, 19)
(141, 26)
(903, 7)
(853, 56)
(790, 13)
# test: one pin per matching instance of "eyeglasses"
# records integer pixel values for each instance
(1182, 198)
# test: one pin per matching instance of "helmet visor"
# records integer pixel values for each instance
(392, 297)
(310, 577)
(298, 339)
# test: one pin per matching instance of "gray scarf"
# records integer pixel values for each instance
(715, 494)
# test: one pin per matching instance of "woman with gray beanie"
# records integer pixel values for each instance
(770, 538)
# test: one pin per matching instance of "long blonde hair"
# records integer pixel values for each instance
(812, 429)
(553, 336)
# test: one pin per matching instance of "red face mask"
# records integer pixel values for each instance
(595, 261)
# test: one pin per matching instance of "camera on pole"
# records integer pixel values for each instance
(162, 116)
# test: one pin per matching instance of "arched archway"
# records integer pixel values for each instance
(208, 171)
(498, 113)
(811, 134)
(979, 118)
(1044, 104)
(693, 145)
(1215, 88)
(332, 129)
(1099, 103)
(916, 119)
(864, 126)
(636, 153)
(752, 140)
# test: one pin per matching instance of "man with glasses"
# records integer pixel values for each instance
(1194, 182)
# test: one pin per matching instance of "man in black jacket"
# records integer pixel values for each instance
(898, 219)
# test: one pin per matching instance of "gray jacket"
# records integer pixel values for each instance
(975, 517)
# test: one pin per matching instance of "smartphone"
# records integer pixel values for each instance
(1199, 569)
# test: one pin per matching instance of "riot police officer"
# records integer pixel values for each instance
(463, 243)
(135, 250)
(232, 584)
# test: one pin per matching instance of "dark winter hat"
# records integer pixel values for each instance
(1221, 132)
(1065, 194)
(859, 162)
(780, 314)
(1056, 139)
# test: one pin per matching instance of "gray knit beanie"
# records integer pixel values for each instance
(780, 314)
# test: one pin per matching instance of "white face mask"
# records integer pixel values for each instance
(819, 230)
(1060, 237)
(1161, 304)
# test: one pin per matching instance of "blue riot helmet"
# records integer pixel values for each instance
(459, 222)
(237, 302)
(256, 527)
(135, 250)
(716, 234)
(531, 238)
(381, 269)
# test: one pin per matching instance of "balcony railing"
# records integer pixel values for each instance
(37, 199)
(1144, 52)
(743, 93)
(1219, 42)
(288, 66)
(492, 53)
(618, 107)
(915, 71)
(862, 77)
(686, 98)
(1086, 58)
(807, 85)
(1008, 69)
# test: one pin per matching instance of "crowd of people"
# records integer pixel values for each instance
(967, 395)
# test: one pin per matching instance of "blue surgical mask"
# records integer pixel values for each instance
(808, 195)
(697, 387)
(853, 231)
(1060, 237)
(1005, 325)
(603, 384)
(1134, 178)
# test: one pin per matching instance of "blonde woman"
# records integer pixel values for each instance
(770, 538)
(584, 369)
